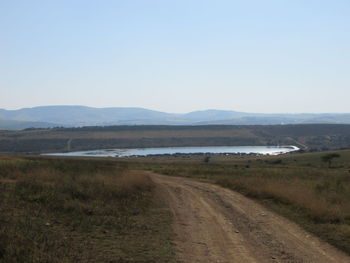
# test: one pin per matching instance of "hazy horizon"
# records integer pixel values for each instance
(58, 105)
(177, 56)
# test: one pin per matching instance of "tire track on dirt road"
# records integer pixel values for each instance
(214, 224)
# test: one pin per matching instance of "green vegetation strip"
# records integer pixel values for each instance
(54, 210)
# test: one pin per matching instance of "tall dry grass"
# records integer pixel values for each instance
(329, 207)
(48, 208)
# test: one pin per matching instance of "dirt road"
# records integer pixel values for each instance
(213, 224)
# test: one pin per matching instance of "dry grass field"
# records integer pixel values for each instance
(108, 210)
(80, 211)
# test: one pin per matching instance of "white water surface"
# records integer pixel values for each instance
(262, 150)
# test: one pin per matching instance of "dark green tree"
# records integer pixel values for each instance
(328, 158)
(206, 159)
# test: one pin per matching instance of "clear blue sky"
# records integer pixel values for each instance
(177, 56)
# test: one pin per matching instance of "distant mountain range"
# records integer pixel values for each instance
(76, 116)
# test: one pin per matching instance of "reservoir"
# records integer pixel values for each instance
(258, 150)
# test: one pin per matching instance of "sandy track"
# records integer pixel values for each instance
(214, 224)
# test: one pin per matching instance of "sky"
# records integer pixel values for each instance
(272, 56)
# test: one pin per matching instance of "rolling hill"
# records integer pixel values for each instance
(77, 116)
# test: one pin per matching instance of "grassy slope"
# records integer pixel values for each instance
(80, 211)
(314, 136)
(299, 186)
